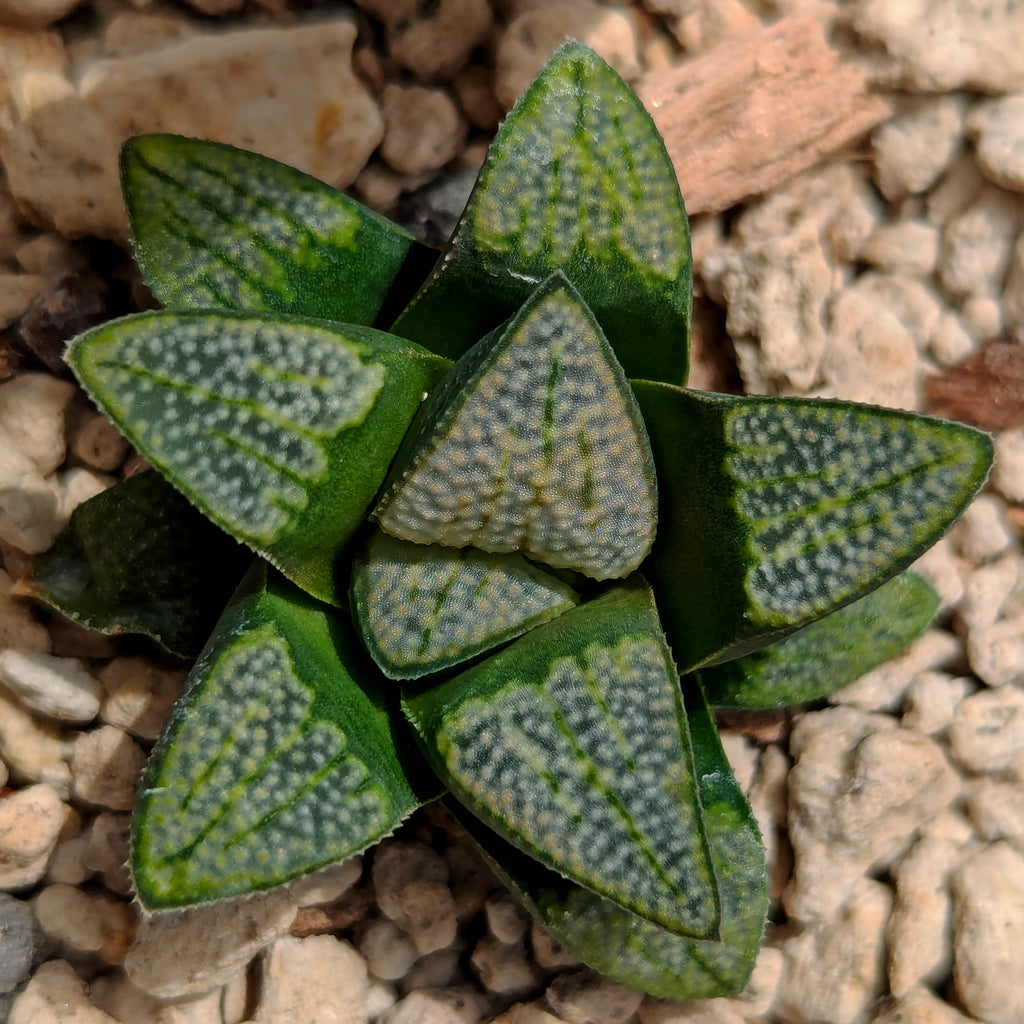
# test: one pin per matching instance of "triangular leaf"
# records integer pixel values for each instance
(777, 511)
(533, 443)
(220, 228)
(576, 179)
(281, 431)
(572, 743)
(422, 608)
(138, 558)
(278, 758)
(629, 948)
(829, 653)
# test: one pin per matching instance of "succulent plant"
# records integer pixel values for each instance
(502, 553)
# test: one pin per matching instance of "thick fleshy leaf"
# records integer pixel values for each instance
(630, 949)
(220, 228)
(138, 558)
(572, 743)
(423, 608)
(533, 443)
(281, 431)
(777, 511)
(576, 179)
(280, 756)
(829, 653)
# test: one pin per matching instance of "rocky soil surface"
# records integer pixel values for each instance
(856, 172)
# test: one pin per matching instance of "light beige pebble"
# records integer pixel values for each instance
(983, 316)
(931, 700)
(941, 45)
(951, 342)
(768, 801)
(319, 978)
(951, 825)
(186, 953)
(527, 1013)
(471, 881)
(328, 884)
(107, 853)
(996, 127)
(75, 486)
(959, 187)
(944, 571)
(16, 294)
(437, 1006)
(34, 751)
(32, 410)
(81, 922)
(546, 951)
(913, 149)
(909, 247)
(59, 688)
(440, 969)
(987, 731)
(379, 999)
(504, 967)
(1008, 471)
(884, 687)
(29, 504)
(920, 931)
(289, 92)
(977, 243)
(835, 970)
(982, 532)
(97, 443)
(988, 934)
(388, 951)
(742, 757)
(411, 884)
(705, 25)
(996, 809)
(758, 995)
(913, 302)
(688, 1011)
(531, 36)
(31, 820)
(105, 767)
(56, 995)
(920, 1006)
(507, 921)
(19, 628)
(423, 128)
(116, 995)
(583, 997)
(68, 862)
(139, 695)
(857, 796)
(35, 14)
(996, 651)
(1013, 294)
(51, 255)
(436, 42)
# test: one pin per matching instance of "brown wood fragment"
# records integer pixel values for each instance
(355, 905)
(755, 111)
(986, 391)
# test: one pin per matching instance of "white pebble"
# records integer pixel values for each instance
(987, 731)
(996, 652)
(54, 995)
(997, 128)
(105, 767)
(1008, 471)
(60, 688)
(139, 695)
(931, 700)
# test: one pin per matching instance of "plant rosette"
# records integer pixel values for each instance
(500, 550)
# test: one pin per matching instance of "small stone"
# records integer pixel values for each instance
(767, 796)
(1013, 294)
(67, 863)
(108, 851)
(189, 952)
(471, 881)
(440, 969)
(834, 970)
(434, 1006)
(56, 995)
(914, 148)
(97, 443)
(116, 995)
(920, 1006)
(105, 767)
(50, 255)
(504, 967)
(976, 245)
(380, 998)
(547, 952)
(19, 628)
(758, 995)
(583, 997)
(959, 187)
(1008, 471)
(59, 688)
(986, 593)
(423, 128)
(951, 342)
(996, 808)
(139, 695)
(29, 505)
(34, 751)
(411, 884)
(931, 700)
(995, 126)
(688, 1011)
(20, 941)
(983, 316)
(982, 532)
(17, 293)
(319, 978)
(328, 884)
(35, 13)
(506, 919)
(527, 1013)
(988, 935)
(30, 822)
(914, 303)
(944, 571)
(436, 41)
(32, 408)
(75, 486)
(388, 951)
(474, 89)
(83, 923)
(908, 247)
(987, 731)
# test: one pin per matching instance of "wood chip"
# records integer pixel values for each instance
(986, 391)
(754, 112)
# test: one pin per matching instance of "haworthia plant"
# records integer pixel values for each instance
(522, 577)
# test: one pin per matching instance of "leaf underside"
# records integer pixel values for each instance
(829, 653)
(573, 745)
(577, 179)
(533, 443)
(278, 758)
(422, 609)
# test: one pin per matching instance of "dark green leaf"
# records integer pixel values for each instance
(829, 653)
(576, 179)
(533, 443)
(280, 756)
(219, 228)
(632, 950)
(423, 608)
(138, 558)
(572, 743)
(777, 511)
(281, 431)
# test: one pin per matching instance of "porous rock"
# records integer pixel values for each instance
(30, 822)
(56, 994)
(920, 1006)
(504, 967)
(423, 128)
(582, 997)
(932, 699)
(411, 884)
(996, 809)
(996, 651)
(437, 1006)
(987, 731)
(1008, 471)
(904, 247)
(388, 951)
(997, 128)
(977, 243)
